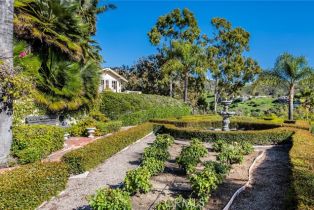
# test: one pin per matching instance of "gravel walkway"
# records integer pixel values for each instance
(270, 182)
(110, 173)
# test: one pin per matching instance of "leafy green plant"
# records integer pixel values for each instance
(34, 142)
(246, 148)
(190, 156)
(218, 145)
(98, 116)
(154, 165)
(156, 152)
(231, 154)
(221, 169)
(163, 141)
(137, 180)
(204, 182)
(103, 128)
(110, 199)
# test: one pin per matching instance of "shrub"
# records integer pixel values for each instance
(34, 142)
(137, 180)
(246, 148)
(163, 141)
(218, 145)
(155, 152)
(154, 165)
(110, 199)
(180, 204)
(98, 116)
(221, 169)
(91, 155)
(270, 136)
(204, 182)
(108, 127)
(137, 108)
(191, 155)
(28, 186)
(231, 154)
(301, 157)
(79, 129)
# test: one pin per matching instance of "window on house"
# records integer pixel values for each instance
(114, 85)
(107, 84)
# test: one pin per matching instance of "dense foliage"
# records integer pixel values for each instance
(28, 186)
(34, 142)
(110, 199)
(91, 155)
(137, 180)
(138, 108)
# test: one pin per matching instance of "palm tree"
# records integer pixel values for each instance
(186, 58)
(6, 72)
(288, 71)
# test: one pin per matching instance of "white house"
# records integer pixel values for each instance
(111, 80)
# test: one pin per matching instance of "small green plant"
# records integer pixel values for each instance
(137, 180)
(191, 155)
(163, 141)
(110, 199)
(204, 182)
(156, 152)
(218, 145)
(221, 169)
(246, 147)
(154, 165)
(231, 154)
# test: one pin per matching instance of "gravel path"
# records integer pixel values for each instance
(270, 182)
(110, 173)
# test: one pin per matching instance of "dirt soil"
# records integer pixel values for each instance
(173, 182)
(270, 182)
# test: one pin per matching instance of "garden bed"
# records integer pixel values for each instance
(173, 182)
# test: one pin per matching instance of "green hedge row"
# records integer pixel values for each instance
(91, 155)
(34, 142)
(28, 186)
(302, 161)
(137, 108)
(270, 136)
(146, 115)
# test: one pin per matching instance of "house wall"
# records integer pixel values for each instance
(110, 78)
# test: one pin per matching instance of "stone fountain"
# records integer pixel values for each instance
(226, 115)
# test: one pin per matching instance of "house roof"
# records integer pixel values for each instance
(114, 73)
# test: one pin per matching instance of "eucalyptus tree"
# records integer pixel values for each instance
(177, 26)
(6, 74)
(288, 71)
(229, 67)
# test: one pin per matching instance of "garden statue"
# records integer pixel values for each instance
(226, 115)
(91, 132)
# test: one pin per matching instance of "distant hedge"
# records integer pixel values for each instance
(269, 136)
(28, 186)
(91, 155)
(302, 161)
(133, 109)
(34, 142)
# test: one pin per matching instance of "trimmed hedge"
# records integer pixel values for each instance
(28, 186)
(34, 142)
(270, 136)
(302, 161)
(137, 108)
(91, 155)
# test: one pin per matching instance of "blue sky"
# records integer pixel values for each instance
(275, 27)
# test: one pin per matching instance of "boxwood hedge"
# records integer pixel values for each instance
(34, 142)
(91, 155)
(28, 186)
(137, 108)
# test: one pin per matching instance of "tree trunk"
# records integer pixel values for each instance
(186, 83)
(6, 70)
(171, 87)
(291, 96)
(216, 96)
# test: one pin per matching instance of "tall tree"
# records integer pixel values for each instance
(187, 58)
(6, 74)
(288, 71)
(174, 26)
(229, 67)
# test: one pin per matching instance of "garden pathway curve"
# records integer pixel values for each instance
(111, 173)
